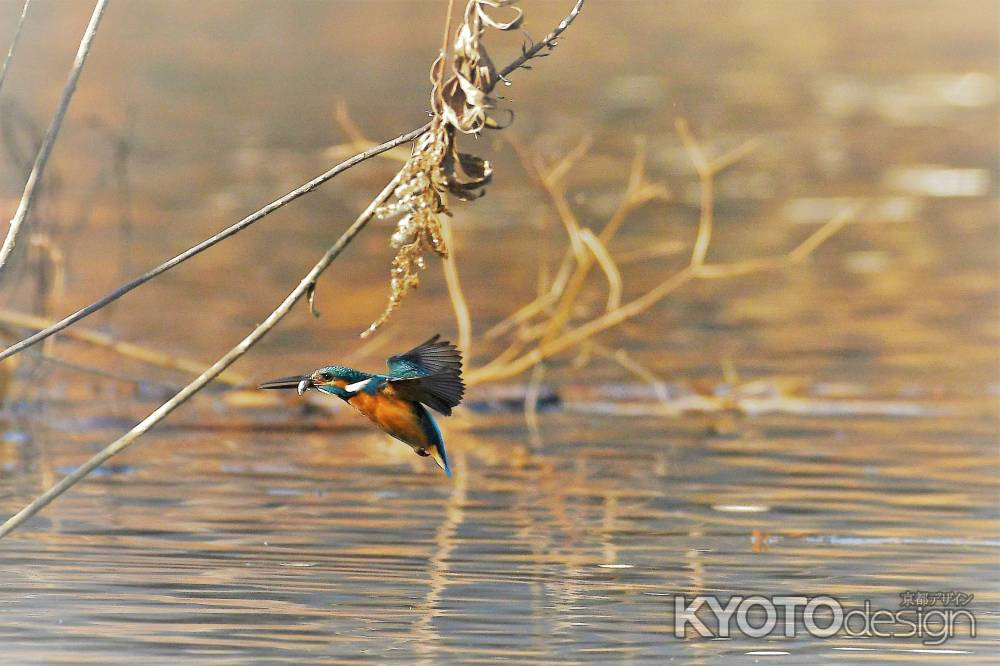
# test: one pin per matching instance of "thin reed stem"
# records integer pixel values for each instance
(13, 43)
(38, 169)
(463, 319)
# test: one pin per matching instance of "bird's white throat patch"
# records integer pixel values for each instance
(356, 386)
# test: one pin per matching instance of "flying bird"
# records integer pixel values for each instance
(430, 374)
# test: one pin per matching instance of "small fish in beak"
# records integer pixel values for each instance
(300, 383)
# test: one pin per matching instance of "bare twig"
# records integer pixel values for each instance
(707, 171)
(515, 360)
(622, 358)
(548, 180)
(204, 378)
(548, 41)
(13, 42)
(650, 251)
(603, 257)
(461, 307)
(52, 269)
(541, 303)
(35, 177)
(608, 320)
(638, 192)
(531, 405)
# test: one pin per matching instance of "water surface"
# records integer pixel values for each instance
(234, 533)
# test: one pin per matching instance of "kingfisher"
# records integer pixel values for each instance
(429, 374)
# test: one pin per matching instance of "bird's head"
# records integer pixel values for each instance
(329, 379)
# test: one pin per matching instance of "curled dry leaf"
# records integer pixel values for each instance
(436, 168)
(465, 100)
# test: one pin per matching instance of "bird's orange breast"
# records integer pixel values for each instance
(394, 415)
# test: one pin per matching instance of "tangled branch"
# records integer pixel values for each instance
(543, 328)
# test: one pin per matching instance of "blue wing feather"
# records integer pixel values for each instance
(430, 373)
(432, 357)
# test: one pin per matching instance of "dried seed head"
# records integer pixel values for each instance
(436, 168)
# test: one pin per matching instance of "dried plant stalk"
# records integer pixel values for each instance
(42, 158)
(528, 52)
(638, 193)
(13, 43)
(552, 336)
(463, 319)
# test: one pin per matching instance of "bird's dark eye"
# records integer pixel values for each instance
(326, 376)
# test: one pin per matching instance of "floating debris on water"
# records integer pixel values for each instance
(510, 398)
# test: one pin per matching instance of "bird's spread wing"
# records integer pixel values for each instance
(439, 392)
(433, 357)
(430, 373)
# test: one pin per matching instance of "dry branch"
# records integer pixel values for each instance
(552, 333)
(638, 192)
(622, 358)
(463, 320)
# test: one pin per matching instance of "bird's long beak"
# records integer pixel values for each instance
(301, 383)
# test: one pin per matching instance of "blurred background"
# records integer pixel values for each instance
(826, 428)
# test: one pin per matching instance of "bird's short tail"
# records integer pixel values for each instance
(440, 456)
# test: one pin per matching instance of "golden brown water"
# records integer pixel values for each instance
(234, 533)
